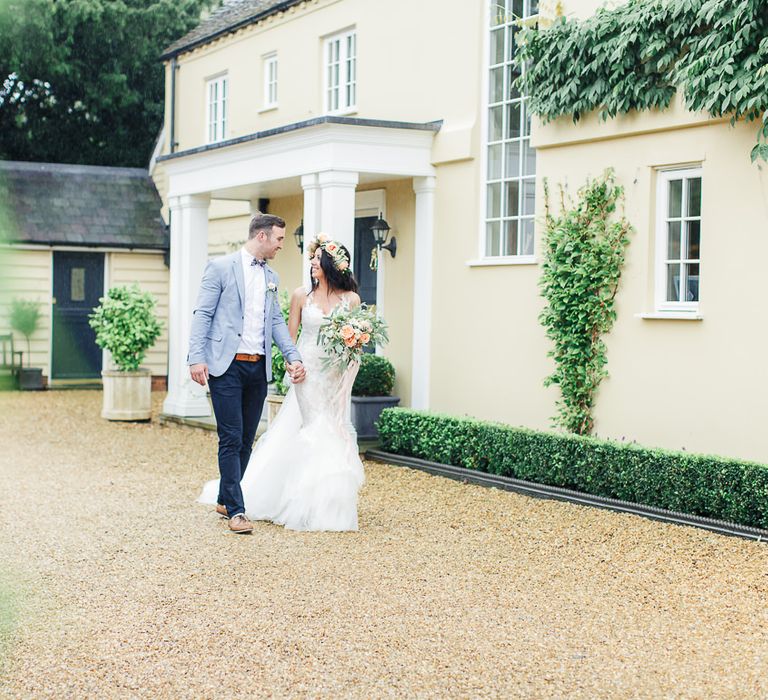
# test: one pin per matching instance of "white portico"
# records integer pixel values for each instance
(325, 159)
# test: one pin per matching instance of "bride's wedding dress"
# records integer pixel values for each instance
(305, 471)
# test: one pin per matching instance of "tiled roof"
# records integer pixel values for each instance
(229, 17)
(54, 204)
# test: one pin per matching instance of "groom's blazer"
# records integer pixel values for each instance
(217, 321)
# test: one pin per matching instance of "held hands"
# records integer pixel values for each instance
(296, 371)
(199, 373)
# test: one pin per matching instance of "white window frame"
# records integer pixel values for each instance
(496, 9)
(663, 178)
(270, 80)
(216, 108)
(340, 90)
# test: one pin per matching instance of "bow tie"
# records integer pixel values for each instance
(260, 263)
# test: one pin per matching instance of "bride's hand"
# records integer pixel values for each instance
(296, 371)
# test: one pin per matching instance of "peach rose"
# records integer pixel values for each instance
(347, 332)
(350, 342)
(364, 338)
(343, 265)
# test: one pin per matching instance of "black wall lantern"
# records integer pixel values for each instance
(380, 231)
(298, 234)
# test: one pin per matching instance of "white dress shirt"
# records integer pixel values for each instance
(255, 278)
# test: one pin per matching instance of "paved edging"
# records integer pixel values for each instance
(536, 490)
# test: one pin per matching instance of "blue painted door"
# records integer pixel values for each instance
(78, 282)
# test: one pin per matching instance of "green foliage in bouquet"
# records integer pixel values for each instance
(25, 317)
(278, 362)
(637, 55)
(347, 331)
(376, 376)
(126, 325)
(583, 256)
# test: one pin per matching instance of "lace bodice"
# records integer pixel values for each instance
(325, 390)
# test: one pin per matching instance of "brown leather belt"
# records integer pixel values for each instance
(243, 357)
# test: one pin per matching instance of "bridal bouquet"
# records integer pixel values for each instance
(347, 331)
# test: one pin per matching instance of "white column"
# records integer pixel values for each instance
(337, 206)
(311, 219)
(424, 187)
(189, 254)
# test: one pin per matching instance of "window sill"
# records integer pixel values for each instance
(670, 316)
(342, 112)
(268, 108)
(503, 260)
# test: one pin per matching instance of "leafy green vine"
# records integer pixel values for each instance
(583, 258)
(636, 56)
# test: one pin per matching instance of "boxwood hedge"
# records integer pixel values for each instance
(714, 487)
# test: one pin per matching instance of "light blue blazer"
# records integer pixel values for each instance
(217, 321)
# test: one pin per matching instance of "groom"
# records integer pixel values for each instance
(237, 317)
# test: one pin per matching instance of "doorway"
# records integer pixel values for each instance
(78, 283)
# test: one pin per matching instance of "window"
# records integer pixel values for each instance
(341, 72)
(678, 239)
(216, 114)
(510, 177)
(270, 80)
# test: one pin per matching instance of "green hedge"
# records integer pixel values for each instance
(714, 487)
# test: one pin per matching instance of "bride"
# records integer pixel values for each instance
(305, 471)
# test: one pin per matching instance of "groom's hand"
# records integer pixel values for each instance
(199, 373)
(296, 371)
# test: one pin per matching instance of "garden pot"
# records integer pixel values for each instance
(274, 403)
(366, 411)
(31, 379)
(127, 395)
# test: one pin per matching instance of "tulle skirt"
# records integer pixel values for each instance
(305, 472)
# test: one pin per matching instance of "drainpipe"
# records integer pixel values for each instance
(174, 68)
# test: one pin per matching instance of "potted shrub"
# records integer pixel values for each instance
(371, 394)
(25, 317)
(126, 326)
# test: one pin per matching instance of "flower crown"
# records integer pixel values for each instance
(338, 256)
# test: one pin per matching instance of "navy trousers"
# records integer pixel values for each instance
(238, 399)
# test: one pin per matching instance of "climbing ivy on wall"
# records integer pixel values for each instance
(637, 55)
(584, 249)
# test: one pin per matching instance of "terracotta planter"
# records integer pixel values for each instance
(274, 403)
(366, 411)
(127, 395)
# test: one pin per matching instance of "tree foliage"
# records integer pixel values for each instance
(24, 319)
(81, 79)
(636, 56)
(583, 257)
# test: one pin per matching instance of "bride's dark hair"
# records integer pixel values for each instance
(338, 280)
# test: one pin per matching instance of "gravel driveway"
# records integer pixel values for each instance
(115, 584)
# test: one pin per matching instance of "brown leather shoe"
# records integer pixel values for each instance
(222, 510)
(240, 524)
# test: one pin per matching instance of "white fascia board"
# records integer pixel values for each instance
(381, 151)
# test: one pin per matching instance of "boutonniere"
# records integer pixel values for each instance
(271, 286)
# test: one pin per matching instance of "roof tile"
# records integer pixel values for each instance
(83, 204)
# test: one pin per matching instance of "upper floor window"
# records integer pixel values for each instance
(216, 112)
(340, 72)
(270, 80)
(678, 239)
(510, 175)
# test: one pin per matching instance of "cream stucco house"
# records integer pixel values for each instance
(332, 112)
